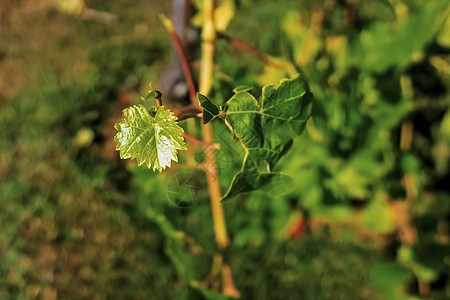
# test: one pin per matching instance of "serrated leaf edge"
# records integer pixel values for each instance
(125, 155)
(246, 149)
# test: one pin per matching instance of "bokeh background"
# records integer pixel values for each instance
(367, 217)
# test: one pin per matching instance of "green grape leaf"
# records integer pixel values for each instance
(210, 111)
(242, 88)
(149, 100)
(266, 129)
(384, 45)
(151, 94)
(153, 141)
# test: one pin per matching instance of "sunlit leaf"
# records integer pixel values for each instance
(72, 7)
(153, 141)
(223, 13)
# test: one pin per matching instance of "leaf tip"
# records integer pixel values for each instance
(242, 88)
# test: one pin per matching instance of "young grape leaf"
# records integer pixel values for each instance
(242, 88)
(153, 141)
(150, 100)
(210, 111)
(151, 95)
(265, 130)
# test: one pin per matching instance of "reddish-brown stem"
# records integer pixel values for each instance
(188, 116)
(424, 289)
(246, 47)
(205, 82)
(199, 142)
(187, 112)
(184, 62)
(229, 288)
(189, 108)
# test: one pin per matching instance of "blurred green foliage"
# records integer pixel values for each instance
(368, 215)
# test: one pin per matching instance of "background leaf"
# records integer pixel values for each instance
(384, 45)
(388, 277)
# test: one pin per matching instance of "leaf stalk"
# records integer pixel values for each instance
(256, 53)
(158, 98)
(181, 53)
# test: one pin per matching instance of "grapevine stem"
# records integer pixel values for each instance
(205, 82)
(246, 47)
(199, 142)
(188, 116)
(192, 107)
(208, 36)
(206, 73)
(158, 99)
(195, 105)
(184, 63)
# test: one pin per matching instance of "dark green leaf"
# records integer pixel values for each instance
(210, 111)
(426, 267)
(265, 130)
